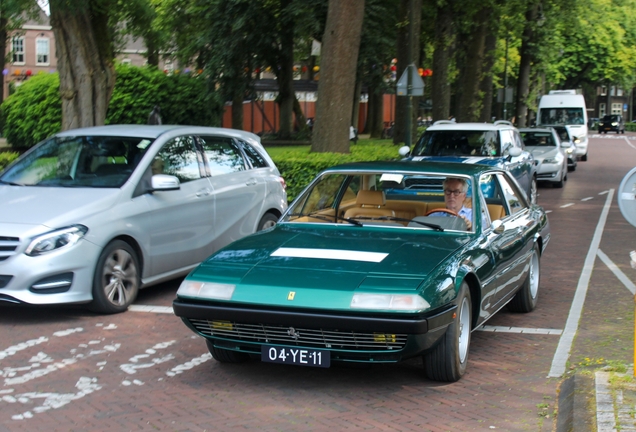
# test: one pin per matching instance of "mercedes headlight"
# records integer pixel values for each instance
(396, 302)
(551, 160)
(55, 240)
(207, 290)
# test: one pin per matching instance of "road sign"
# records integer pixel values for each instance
(627, 197)
(416, 87)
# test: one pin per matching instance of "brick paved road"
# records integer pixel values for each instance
(65, 369)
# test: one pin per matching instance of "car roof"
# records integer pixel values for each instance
(154, 131)
(452, 126)
(542, 129)
(452, 168)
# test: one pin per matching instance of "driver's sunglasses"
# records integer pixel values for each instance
(455, 192)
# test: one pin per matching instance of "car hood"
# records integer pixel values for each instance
(543, 152)
(51, 207)
(324, 266)
(480, 160)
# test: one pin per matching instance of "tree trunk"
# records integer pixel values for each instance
(487, 78)
(3, 48)
(444, 38)
(375, 115)
(526, 58)
(341, 43)
(401, 102)
(237, 110)
(469, 98)
(301, 120)
(84, 61)
(355, 115)
(285, 77)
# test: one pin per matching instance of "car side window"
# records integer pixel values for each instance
(513, 197)
(179, 158)
(507, 142)
(223, 155)
(255, 158)
(518, 142)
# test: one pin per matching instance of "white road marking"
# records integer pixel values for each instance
(587, 199)
(628, 143)
(562, 352)
(189, 365)
(548, 211)
(149, 308)
(567, 205)
(617, 272)
(133, 366)
(604, 192)
(21, 346)
(503, 329)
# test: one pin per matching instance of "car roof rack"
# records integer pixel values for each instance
(504, 122)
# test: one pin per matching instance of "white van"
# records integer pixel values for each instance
(566, 107)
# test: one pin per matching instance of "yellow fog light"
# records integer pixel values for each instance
(384, 338)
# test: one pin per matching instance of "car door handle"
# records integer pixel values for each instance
(250, 182)
(203, 192)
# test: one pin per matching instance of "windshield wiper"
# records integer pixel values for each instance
(399, 219)
(316, 215)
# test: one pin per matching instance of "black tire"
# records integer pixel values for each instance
(558, 184)
(116, 280)
(526, 298)
(226, 356)
(448, 359)
(584, 157)
(267, 221)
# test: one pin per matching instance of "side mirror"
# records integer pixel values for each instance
(498, 226)
(164, 182)
(514, 151)
(404, 151)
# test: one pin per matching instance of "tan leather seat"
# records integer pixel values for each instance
(496, 211)
(369, 204)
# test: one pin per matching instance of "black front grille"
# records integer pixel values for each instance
(4, 280)
(315, 338)
(8, 245)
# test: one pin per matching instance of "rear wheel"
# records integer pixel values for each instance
(267, 221)
(117, 278)
(448, 359)
(526, 298)
(226, 356)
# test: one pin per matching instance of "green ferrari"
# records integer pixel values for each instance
(374, 262)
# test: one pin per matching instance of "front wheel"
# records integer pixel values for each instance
(267, 221)
(526, 298)
(448, 359)
(117, 278)
(584, 157)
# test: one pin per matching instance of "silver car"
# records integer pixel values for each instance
(92, 215)
(549, 154)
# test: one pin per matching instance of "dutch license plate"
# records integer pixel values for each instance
(296, 356)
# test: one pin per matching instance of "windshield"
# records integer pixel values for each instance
(83, 161)
(458, 143)
(562, 132)
(538, 139)
(561, 116)
(388, 199)
(611, 118)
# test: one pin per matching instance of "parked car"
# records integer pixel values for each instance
(549, 154)
(496, 145)
(369, 266)
(565, 137)
(611, 123)
(91, 215)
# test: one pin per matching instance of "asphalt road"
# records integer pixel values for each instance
(66, 369)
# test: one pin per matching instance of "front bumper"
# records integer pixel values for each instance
(58, 277)
(358, 338)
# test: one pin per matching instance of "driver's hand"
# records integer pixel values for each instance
(469, 225)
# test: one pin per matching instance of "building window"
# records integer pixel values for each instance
(603, 91)
(18, 49)
(42, 51)
(619, 91)
(617, 108)
(601, 110)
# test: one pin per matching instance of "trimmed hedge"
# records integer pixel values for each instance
(298, 168)
(6, 158)
(34, 111)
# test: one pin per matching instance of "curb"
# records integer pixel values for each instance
(576, 409)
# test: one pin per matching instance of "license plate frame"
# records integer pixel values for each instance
(296, 356)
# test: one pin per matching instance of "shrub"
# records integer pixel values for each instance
(34, 111)
(6, 158)
(298, 167)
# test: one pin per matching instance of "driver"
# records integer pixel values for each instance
(454, 195)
